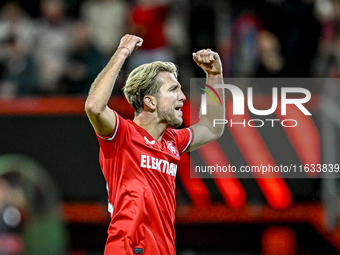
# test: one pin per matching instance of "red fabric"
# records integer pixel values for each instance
(148, 23)
(140, 173)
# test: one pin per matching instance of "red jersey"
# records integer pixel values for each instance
(140, 174)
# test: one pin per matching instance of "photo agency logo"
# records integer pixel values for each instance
(204, 97)
(301, 96)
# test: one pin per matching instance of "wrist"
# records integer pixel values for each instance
(214, 75)
(124, 50)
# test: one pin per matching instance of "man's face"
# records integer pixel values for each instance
(170, 100)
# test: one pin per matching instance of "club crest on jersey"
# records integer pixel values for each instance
(173, 150)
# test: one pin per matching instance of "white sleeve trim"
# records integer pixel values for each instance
(113, 133)
(190, 140)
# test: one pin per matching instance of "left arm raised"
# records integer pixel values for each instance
(204, 130)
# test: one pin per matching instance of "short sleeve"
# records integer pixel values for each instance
(112, 144)
(184, 138)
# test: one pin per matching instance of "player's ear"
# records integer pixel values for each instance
(150, 102)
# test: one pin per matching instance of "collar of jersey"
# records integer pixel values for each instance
(143, 132)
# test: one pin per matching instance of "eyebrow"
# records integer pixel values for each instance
(175, 86)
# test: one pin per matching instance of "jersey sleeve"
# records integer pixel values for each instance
(112, 144)
(184, 138)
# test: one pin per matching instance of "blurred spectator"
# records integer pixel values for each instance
(294, 24)
(53, 44)
(328, 57)
(147, 19)
(17, 72)
(271, 61)
(240, 49)
(177, 27)
(275, 38)
(84, 62)
(107, 22)
(15, 22)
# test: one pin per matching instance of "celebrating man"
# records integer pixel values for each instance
(139, 157)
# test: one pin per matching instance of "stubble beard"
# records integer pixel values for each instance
(168, 116)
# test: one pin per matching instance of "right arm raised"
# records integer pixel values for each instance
(101, 116)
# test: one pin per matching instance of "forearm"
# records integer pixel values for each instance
(101, 89)
(215, 109)
(205, 131)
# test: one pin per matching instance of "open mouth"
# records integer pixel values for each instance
(178, 109)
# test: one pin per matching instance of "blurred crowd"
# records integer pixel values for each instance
(57, 47)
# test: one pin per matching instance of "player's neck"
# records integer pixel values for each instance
(151, 125)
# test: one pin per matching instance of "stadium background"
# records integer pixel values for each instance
(43, 119)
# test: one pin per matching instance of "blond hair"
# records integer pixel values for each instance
(143, 81)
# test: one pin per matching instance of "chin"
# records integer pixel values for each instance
(176, 123)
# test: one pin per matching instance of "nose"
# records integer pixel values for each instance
(181, 96)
